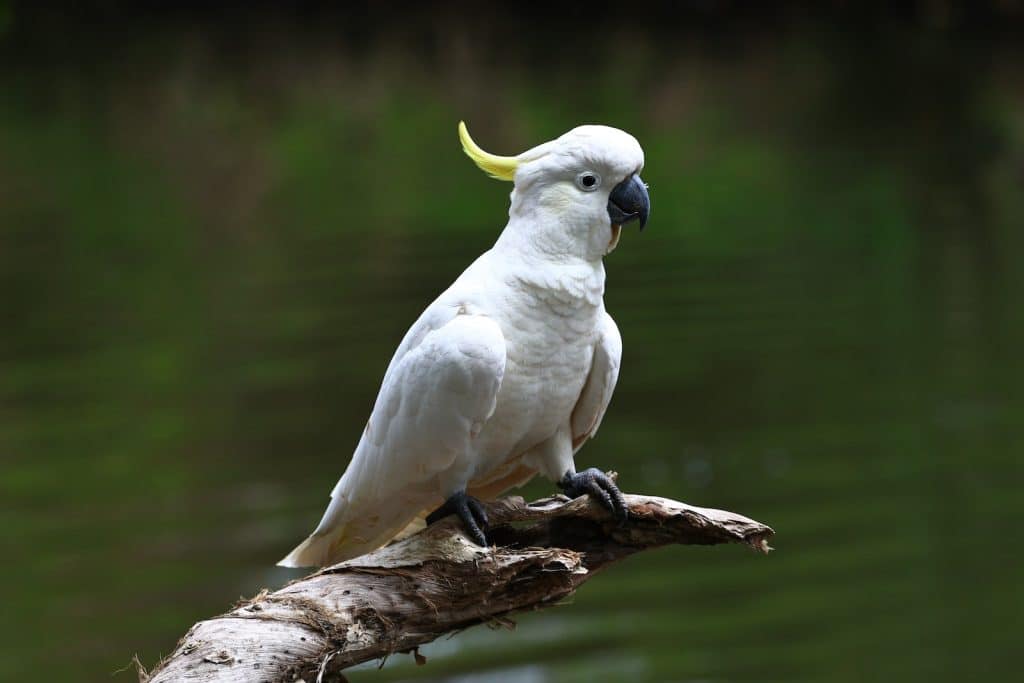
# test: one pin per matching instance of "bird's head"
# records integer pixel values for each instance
(572, 195)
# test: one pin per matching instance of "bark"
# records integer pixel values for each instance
(436, 582)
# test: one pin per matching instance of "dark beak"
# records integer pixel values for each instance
(629, 201)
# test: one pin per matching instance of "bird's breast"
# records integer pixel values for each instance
(550, 331)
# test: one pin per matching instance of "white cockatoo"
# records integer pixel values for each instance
(510, 370)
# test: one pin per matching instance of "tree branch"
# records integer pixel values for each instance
(433, 583)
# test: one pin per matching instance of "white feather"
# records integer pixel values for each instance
(433, 399)
(597, 392)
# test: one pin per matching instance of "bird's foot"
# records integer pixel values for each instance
(469, 510)
(600, 486)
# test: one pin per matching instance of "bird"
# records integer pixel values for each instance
(509, 371)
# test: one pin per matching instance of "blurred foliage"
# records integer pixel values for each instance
(211, 240)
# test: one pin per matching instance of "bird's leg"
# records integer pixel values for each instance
(469, 510)
(597, 484)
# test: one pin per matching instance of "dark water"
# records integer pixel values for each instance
(207, 257)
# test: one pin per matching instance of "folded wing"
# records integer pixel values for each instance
(437, 394)
(597, 392)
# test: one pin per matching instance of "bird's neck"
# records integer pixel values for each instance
(553, 232)
(539, 263)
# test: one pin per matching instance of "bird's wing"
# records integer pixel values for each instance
(597, 391)
(437, 394)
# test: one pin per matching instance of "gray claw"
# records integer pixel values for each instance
(599, 485)
(470, 510)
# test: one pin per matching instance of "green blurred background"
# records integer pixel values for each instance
(215, 227)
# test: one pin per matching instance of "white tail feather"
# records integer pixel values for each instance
(345, 541)
(312, 552)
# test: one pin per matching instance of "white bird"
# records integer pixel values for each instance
(510, 370)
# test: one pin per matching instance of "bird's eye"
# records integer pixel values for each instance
(588, 181)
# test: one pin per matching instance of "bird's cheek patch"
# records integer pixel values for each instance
(557, 198)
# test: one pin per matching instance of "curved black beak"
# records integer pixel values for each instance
(629, 201)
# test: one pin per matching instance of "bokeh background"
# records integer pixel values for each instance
(216, 225)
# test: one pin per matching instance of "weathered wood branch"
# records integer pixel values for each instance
(433, 583)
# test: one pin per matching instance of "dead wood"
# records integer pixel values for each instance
(436, 582)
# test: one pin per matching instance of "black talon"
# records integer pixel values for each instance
(600, 486)
(470, 510)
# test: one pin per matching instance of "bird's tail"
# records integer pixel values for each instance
(315, 551)
(344, 540)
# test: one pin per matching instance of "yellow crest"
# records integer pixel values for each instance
(500, 168)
